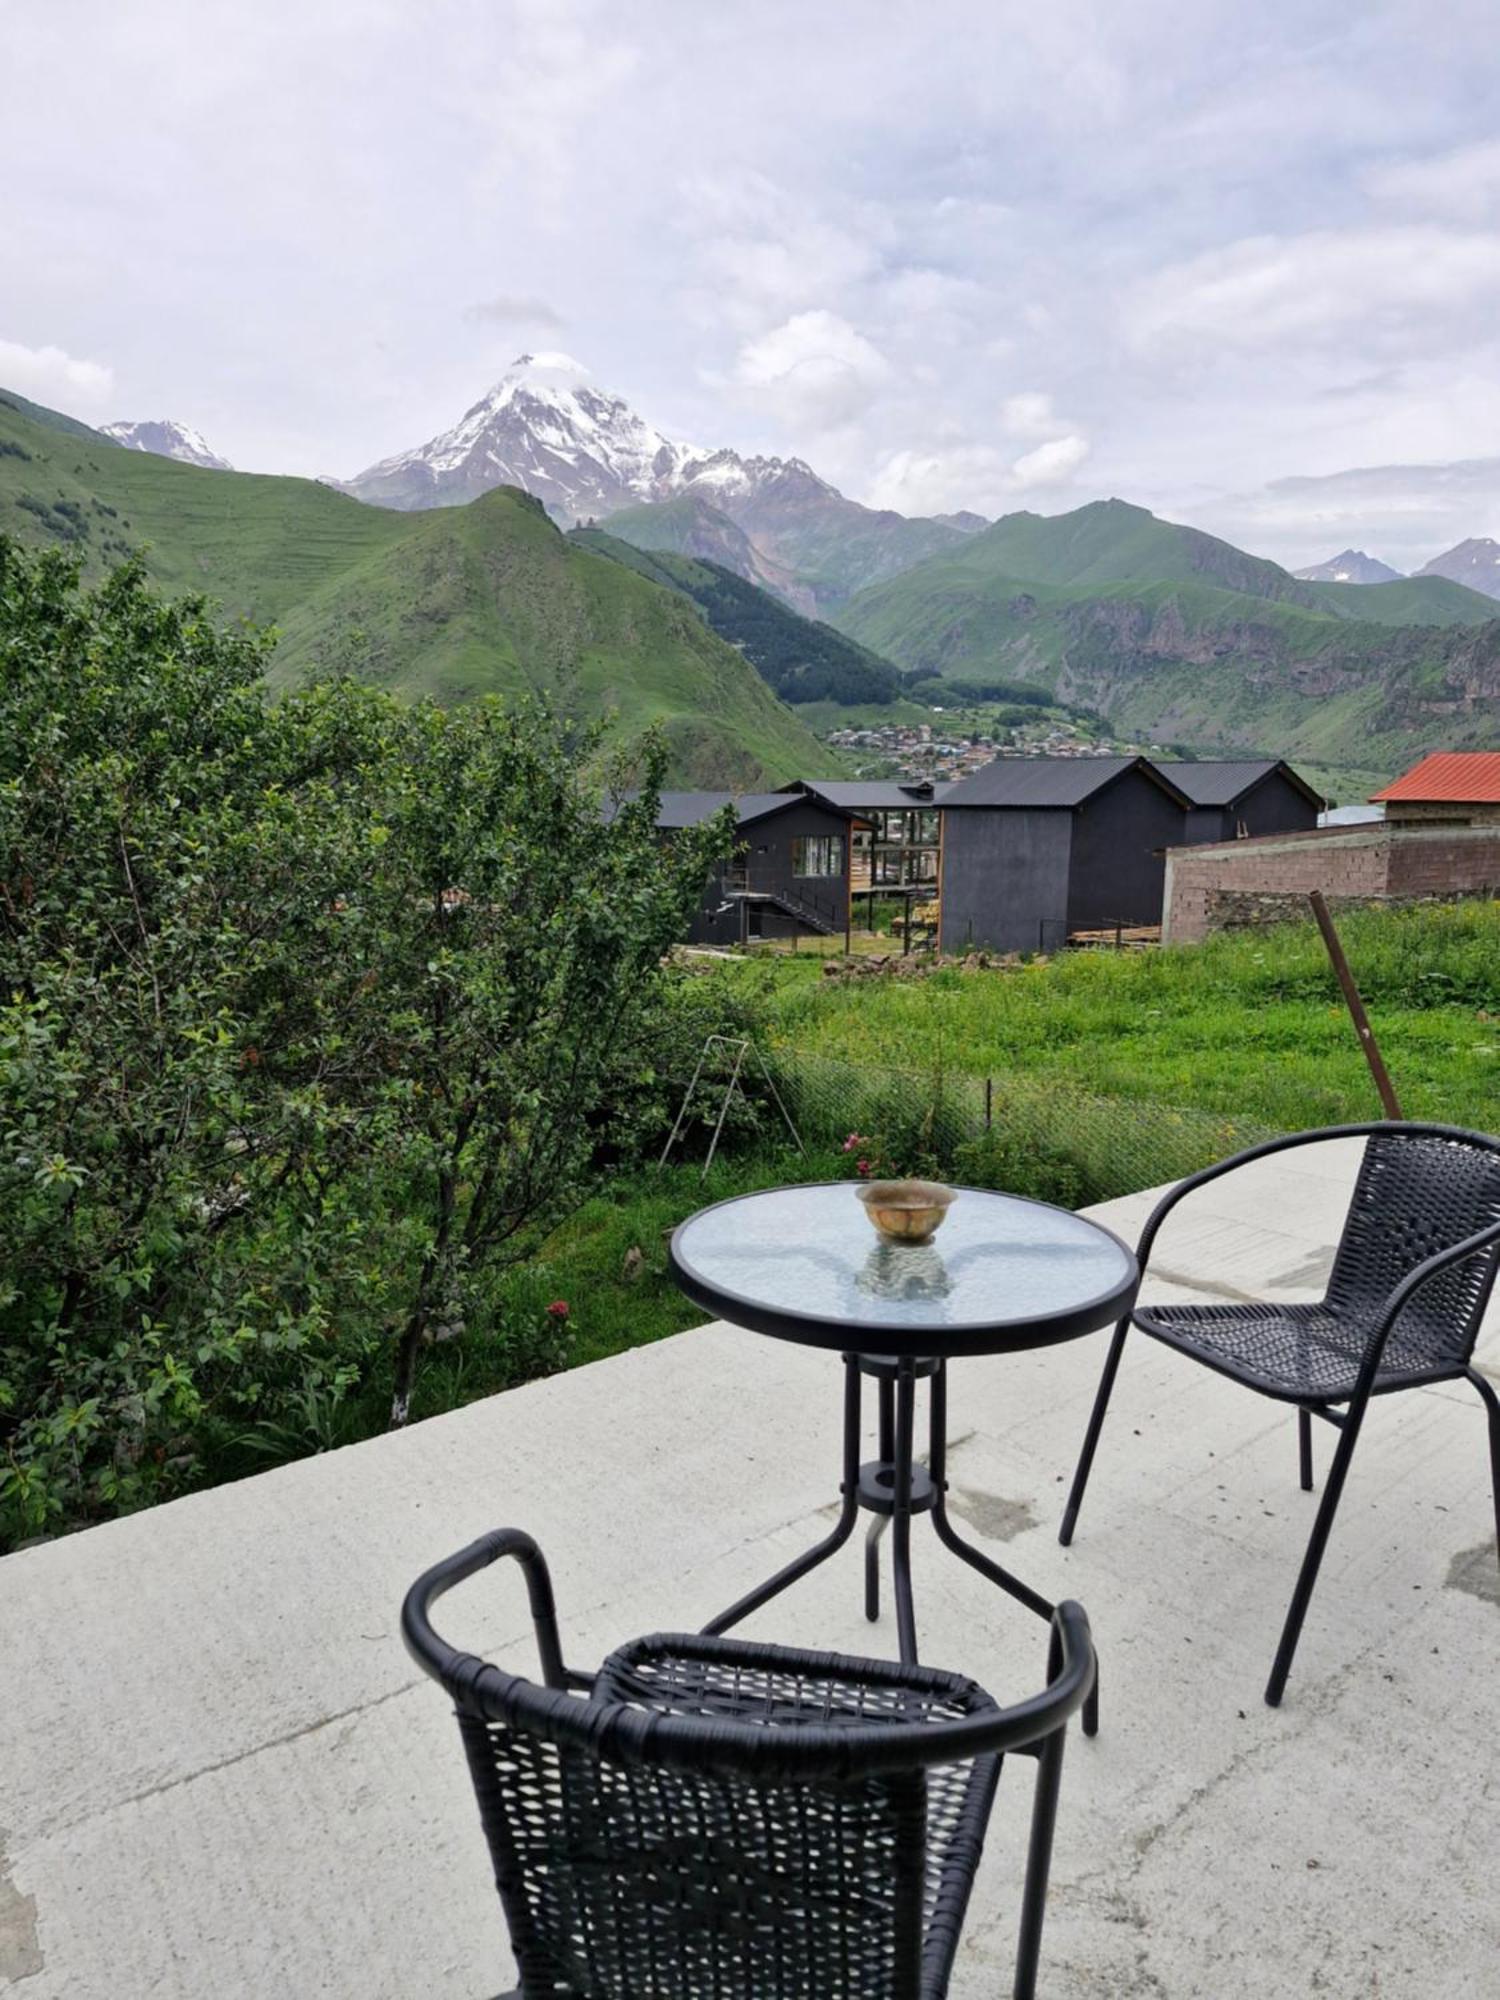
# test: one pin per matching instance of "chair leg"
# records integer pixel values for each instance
(1091, 1436)
(1492, 1411)
(1039, 1851)
(1312, 1561)
(872, 1566)
(1304, 1450)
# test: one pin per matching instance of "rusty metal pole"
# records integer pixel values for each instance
(1356, 1007)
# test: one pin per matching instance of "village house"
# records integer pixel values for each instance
(1242, 800)
(1447, 788)
(1037, 848)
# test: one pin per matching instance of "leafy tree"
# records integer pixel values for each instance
(312, 1015)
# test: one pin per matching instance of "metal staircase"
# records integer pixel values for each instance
(816, 913)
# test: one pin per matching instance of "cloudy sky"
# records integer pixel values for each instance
(1238, 262)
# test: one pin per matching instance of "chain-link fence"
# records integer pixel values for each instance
(1026, 1134)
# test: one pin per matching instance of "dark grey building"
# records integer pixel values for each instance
(895, 834)
(1238, 801)
(1036, 848)
(790, 871)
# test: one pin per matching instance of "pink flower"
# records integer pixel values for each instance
(558, 1309)
(854, 1139)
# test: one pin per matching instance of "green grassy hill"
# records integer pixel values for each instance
(489, 598)
(1409, 600)
(1177, 636)
(801, 658)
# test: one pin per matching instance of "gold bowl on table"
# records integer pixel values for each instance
(907, 1211)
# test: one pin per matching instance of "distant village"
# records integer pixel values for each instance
(942, 753)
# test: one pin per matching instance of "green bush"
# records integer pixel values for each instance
(314, 1018)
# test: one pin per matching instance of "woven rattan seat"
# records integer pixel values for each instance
(1411, 1277)
(714, 1819)
(1300, 1353)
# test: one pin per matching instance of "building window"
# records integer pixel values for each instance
(818, 854)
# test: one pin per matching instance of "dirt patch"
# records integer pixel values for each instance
(1476, 1571)
(999, 1520)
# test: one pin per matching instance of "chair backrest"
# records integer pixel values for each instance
(626, 1872)
(1421, 1189)
(727, 1818)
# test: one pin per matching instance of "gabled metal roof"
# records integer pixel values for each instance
(870, 794)
(1061, 782)
(1468, 777)
(1226, 782)
(680, 809)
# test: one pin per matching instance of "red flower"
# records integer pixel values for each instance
(558, 1309)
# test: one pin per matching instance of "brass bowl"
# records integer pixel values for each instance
(907, 1211)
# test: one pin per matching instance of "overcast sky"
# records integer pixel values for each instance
(1239, 262)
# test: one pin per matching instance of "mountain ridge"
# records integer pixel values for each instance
(586, 454)
(456, 602)
(1173, 634)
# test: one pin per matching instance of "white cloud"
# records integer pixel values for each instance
(1052, 463)
(1464, 183)
(1393, 286)
(944, 481)
(1405, 514)
(815, 369)
(49, 375)
(1028, 415)
(511, 310)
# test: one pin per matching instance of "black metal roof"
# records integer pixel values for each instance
(680, 809)
(1061, 782)
(692, 808)
(1225, 782)
(871, 794)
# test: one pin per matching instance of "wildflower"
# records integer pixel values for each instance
(558, 1310)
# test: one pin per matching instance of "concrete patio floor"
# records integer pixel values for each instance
(221, 1776)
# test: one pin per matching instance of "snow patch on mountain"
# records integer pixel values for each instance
(1350, 566)
(164, 437)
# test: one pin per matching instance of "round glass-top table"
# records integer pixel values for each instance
(804, 1264)
(1002, 1274)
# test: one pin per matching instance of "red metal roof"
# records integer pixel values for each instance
(1470, 776)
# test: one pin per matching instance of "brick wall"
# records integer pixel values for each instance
(1440, 812)
(1268, 880)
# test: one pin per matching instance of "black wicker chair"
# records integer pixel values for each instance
(712, 1819)
(1410, 1281)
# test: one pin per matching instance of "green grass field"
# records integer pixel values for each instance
(1249, 1024)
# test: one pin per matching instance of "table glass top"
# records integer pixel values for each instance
(997, 1261)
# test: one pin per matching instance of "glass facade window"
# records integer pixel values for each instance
(818, 854)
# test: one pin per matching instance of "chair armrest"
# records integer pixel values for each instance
(1400, 1298)
(442, 1661)
(1267, 1147)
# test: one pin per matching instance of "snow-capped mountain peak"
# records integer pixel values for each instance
(1350, 566)
(166, 438)
(548, 427)
(545, 426)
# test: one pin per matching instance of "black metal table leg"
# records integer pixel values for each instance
(952, 1539)
(894, 1488)
(906, 1398)
(843, 1527)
